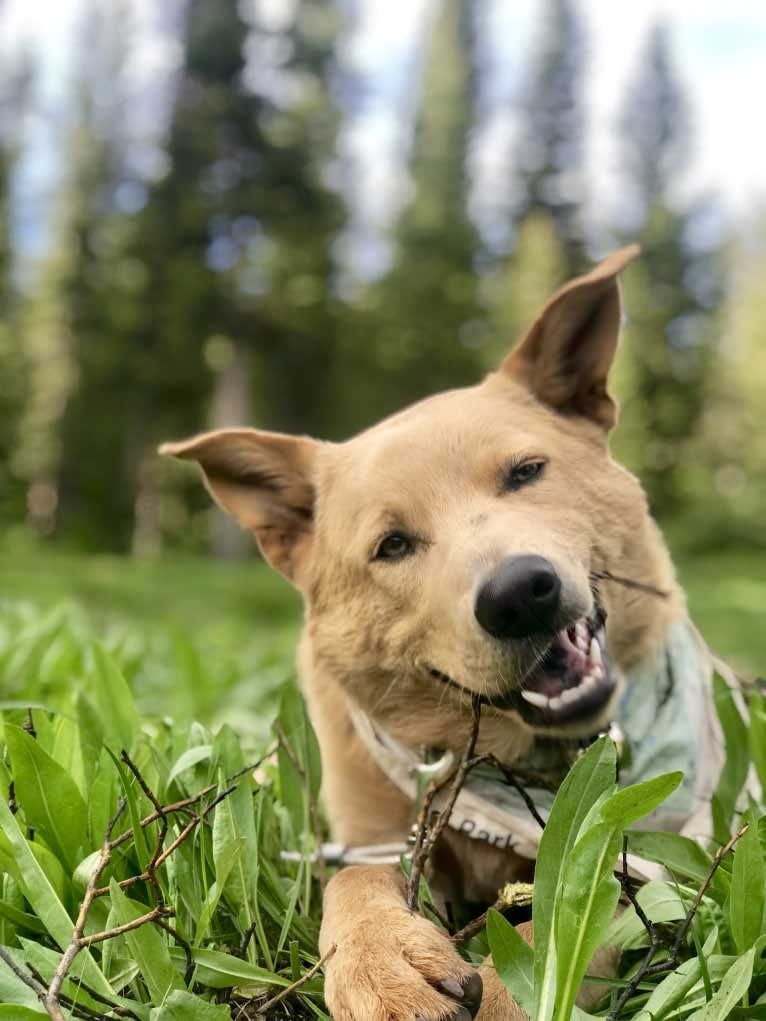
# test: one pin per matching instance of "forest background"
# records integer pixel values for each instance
(213, 245)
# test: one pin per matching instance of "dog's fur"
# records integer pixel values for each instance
(375, 629)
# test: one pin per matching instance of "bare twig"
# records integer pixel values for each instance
(315, 821)
(427, 832)
(512, 895)
(647, 967)
(513, 780)
(151, 868)
(299, 982)
(29, 980)
(52, 998)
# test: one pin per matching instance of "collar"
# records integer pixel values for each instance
(665, 720)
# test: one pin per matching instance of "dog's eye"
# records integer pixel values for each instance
(394, 546)
(521, 474)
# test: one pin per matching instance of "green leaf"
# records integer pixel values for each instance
(113, 701)
(589, 896)
(592, 775)
(184, 1006)
(676, 987)
(221, 971)
(734, 985)
(757, 736)
(660, 901)
(45, 903)
(48, 797)
(14, 1013)
(748, 883)
(146, 945)
(736, 758)
(681, 856)
(188, 759)
(513, 958)
(633, 803)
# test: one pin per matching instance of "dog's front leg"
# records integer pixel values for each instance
(390, 964)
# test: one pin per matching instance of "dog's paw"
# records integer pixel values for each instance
(399, 967)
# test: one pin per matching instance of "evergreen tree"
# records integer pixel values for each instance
(670, 343)
(14, 92)
(99, 287)
(426, 316)
(549, 152)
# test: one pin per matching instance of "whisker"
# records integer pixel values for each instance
(630, 583)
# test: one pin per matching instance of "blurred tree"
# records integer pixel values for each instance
(549, 175)
(99, 287)
(15, 83)
(426, 316)
(670, 343)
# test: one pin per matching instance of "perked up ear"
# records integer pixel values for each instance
(264, 480)
(565, 357)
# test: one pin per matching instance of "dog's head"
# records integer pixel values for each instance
(457, 545)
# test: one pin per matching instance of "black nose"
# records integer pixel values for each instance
(520, 598)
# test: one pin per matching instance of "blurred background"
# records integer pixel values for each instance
(303, 214)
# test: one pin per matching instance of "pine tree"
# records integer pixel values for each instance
(549, 152)
(15, 84)
(670, 343)
(426, 315)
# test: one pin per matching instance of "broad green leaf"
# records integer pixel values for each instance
(757, 736)
(49, 797)
(113, 702)
(676, 987)
(21, 919)
(748, 883)
(591, 775)
(12, 989)
(224, 863)
(736, 758)
(146, 945)
(660, 901)
(682, 857)
(633, 803)
(183, 1006)
(589, 896)
(188, 759)
(45, 902)
(14, 1013)
(734, 985)
(221, 971)
(513, 958)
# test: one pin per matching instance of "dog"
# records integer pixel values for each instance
(471, 548)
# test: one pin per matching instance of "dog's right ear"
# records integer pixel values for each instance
(265, 481)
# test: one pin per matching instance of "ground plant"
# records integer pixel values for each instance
(143, 871)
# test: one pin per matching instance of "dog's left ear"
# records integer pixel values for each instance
(565, 357)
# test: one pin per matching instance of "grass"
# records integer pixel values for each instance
(184, 640)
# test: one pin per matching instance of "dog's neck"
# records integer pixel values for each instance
(666, 715)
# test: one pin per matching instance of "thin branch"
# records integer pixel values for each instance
(29, 980)
(512, 895)
(299, 982)
(647, 967)
(52, 997)
(427, 832)
(151, 868)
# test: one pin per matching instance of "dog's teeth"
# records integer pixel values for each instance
(598, 672)
(536, 699)
(589, 681)
(595, 651)
(557, 702)
(568, 695)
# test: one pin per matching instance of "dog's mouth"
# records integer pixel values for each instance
(571, 682)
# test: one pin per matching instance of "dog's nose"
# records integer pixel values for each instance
(521, 598)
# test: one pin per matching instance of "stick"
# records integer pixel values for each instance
(298, 983)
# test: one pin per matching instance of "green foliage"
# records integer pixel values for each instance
(718, 973)
(245, 920)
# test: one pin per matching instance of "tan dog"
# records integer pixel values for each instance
(459, 546)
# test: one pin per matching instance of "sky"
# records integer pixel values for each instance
(721, 59)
